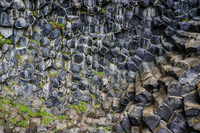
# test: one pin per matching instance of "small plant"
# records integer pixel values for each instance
(62, 117)
(92, 96)
(32, 114)
(99, 74)
(18, 60)
(41, 85)
(35, 14)
(2, 123)
(113, 113)
(97, 105)
(23, 108)
(46, 121)
(42, 100)
(35, 30)
(4, 41)
(185, 20)
(94, 125)
(53, 74)
(102, 10)
(31, 40)
(67, 124)
(23, 124)
(13, 121)
(106, 128)
(54, 130)
(43, 113)
(79, 108)
(57, 25)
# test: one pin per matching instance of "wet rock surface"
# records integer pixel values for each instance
(109, 65)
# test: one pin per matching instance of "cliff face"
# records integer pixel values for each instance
(109, 65)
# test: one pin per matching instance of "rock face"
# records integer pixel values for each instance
(134, 62)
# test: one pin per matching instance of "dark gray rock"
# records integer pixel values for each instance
(121, 58)
(116, 28)
(148, 57)
(168, 3)
(104, 62)
(75, 68)
(55, 82)
(55, 6)
(71, 99)
(23, 51)
(152, 121)
(18, 5)
(139, 30)
(135, 20)
(126, 124)
(115, 51)
(26, 74)
(128, 15)
(147, 34)
(74, 87)
(4, 67)
(72, 43)
(136, 115)
(164, 111)
(5, 20)
(89, 3)
(177, 122)
(47, 30)
(55, 34)
(103, 50)
(157, 21)
(21, 23)
(119, 128)
(168, 46)
(23, 41)
(76, 77)
(61, 12)
(169, 31)
(185, 26)
(62, 74)
(143, 2)
(83, 84)
(44, 42)
(132, 66)
(85, 18)
(45, 52)
(31, 19)
(36, 36)
(95, 80)
(78, 57)
(66, 3)
(58, 64)
(28, 89)
(194, 14)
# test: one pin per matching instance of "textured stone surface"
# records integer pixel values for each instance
(134, 63)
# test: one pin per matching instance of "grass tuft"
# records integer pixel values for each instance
(185, 20)
(23, 108)
(79, 108)
(102, 10)
(4, 41)
(46, 121)
(57, 25)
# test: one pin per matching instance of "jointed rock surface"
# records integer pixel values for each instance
(78, 66)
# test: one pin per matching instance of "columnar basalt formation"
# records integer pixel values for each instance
(100, 66)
